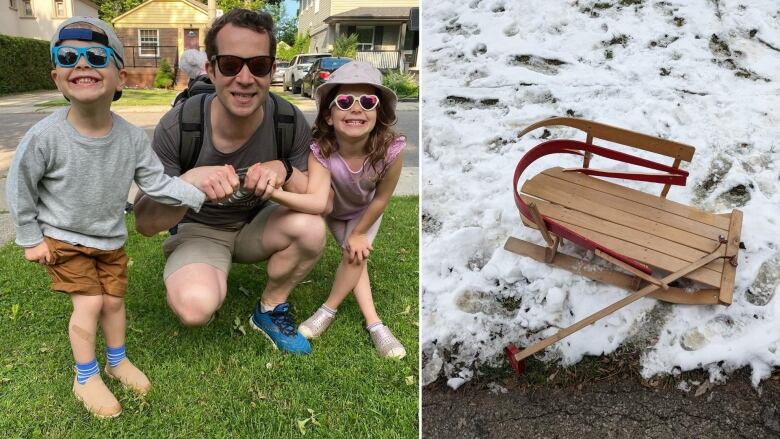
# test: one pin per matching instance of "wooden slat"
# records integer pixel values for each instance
(646, 291)
(622, 136)
(632, 221)
(599, 221)
(640, 197)
(569, 194)
(597, 273)
(708, 275)
(732, 248)
(665, 190)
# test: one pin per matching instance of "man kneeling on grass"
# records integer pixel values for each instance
(238, 129)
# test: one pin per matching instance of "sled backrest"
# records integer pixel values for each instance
(678, 151)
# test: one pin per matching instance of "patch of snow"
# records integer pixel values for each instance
(700, 72)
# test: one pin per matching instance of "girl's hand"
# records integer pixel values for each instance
(358, 248)
(40, 254)
(262, 180)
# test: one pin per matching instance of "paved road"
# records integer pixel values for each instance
(612, 408)
(16, 119)
(18, 113)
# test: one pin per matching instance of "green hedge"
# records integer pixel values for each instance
(27, 65)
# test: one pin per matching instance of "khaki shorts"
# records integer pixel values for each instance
(198, 243)
(76, 269)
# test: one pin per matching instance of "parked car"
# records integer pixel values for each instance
(319, 72)
(298, 67)
(281, 67)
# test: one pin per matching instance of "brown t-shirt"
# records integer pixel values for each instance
(239, 208)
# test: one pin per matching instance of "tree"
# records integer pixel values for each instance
(229, 5)
(345, 46)
(110, 9)
(285, 27)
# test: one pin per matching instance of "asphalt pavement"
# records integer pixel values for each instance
(19, 112)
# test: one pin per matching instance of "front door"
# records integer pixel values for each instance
(190, 39)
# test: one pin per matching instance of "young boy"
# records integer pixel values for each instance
(66, 190)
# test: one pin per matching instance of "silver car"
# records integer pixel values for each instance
(299, 65)
(281, 67)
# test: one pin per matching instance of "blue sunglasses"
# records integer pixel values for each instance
(68, 56)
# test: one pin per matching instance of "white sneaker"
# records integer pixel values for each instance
(315, 325)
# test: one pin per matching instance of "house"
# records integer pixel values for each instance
(388, 31)
(157, 30)
(39, 18)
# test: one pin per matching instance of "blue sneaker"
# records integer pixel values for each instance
(279, 327)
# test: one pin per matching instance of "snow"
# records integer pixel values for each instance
(702, 72)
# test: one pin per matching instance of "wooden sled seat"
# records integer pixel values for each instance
(655, 243)
(655, 231)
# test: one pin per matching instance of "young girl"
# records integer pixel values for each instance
(355, 151)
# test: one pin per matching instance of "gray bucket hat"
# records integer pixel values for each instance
(358, 72)
(109, 40)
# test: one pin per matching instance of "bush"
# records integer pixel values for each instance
(164, 76)
(345, 46)
(403, 84)
(27, 65)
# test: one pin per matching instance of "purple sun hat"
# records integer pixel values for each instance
(358, 72)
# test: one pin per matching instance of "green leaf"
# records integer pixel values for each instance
(302, 426)
(14, 311)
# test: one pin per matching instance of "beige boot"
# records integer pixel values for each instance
(96, 397)
(129, 376)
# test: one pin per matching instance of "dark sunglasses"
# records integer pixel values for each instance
(231, 65)
(345, 102)
(67, 56)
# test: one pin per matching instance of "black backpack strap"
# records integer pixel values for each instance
(285, 118)
(191, 131)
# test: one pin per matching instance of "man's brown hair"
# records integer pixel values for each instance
(260, 22)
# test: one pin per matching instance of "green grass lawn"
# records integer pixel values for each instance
(224, 380)
(130, 98)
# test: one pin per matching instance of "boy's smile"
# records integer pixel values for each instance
(86, 85)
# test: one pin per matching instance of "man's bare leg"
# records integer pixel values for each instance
(196, 292)
(296, 241)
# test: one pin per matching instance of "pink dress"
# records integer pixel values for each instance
(353, 190)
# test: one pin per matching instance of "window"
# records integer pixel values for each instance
(27, 10)
(12, 4)
(59, 8)
(149, 42)
(365, 38)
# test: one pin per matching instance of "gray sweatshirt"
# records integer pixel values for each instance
(74, 188)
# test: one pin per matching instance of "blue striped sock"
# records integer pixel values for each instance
(86, 370)
(114, 356)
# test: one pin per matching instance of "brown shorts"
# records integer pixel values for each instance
(77, 269)
(198, 243)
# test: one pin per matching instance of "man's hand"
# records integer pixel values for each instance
(358, 248)
(217, 182)
(262, 180)
(40, 254)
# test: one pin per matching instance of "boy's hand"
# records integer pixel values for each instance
(358, 248)
(40, 254)
(217, 182)
(262, 180)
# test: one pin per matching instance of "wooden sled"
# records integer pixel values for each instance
(654, 241)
